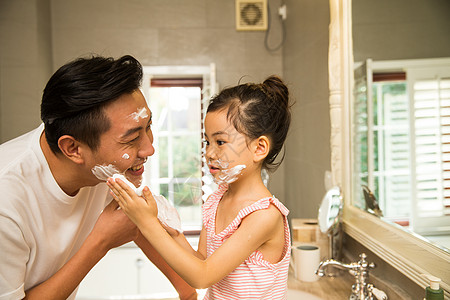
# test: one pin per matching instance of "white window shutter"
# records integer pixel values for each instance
(429, 88)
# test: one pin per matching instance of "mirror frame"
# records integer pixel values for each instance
(407, 252)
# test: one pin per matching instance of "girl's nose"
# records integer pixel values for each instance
(210, 153)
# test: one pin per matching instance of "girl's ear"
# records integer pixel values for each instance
(262, 148)
(71, 148)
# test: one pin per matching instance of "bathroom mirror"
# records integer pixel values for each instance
(406, 251)
(398, 143)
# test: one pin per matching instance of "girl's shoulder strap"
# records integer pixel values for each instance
(263, 204)
(258, 205)
(211, 203)
(283, 209)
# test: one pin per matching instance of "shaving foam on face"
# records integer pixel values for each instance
(230, 175)
(126, 156)
(103, 172)
(141, 113)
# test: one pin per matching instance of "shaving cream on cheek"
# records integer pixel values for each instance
(141, 113)
(103, 172)
(227, 176)
(126, 156)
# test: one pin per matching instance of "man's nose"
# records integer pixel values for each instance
(147, 148)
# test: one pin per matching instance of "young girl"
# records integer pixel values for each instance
(244, 245)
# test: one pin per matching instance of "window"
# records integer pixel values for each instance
(178, 97)
(176, 165)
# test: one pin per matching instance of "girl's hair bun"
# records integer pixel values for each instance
(276, 88)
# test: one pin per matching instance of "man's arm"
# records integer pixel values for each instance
(112, 229)
(185, 291)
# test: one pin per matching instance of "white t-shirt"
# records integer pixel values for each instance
(41, 227)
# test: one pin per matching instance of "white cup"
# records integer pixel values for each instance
(306, 260)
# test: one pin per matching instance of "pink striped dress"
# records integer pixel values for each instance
(255, 278)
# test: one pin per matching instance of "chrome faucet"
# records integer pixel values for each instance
(361, 290)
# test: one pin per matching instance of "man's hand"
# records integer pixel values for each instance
(114, 228)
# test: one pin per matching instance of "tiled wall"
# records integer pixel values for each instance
(160, 32)
(156, 32)
(305, 66)
(25, 63)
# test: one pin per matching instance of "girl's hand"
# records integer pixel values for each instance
(138, 209)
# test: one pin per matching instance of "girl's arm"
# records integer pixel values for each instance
(199, 273)
(183, 242)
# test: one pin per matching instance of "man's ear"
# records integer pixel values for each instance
(71, 148)
(262, 148)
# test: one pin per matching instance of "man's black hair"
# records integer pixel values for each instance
(74, 97)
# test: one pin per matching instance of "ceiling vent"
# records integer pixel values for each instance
(251, 14)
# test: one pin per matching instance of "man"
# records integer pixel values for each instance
(57, 219)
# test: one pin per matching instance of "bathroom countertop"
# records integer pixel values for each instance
(327, 288)
(340, 287)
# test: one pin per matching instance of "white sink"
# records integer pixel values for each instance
(296, 294)
(291, 295)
